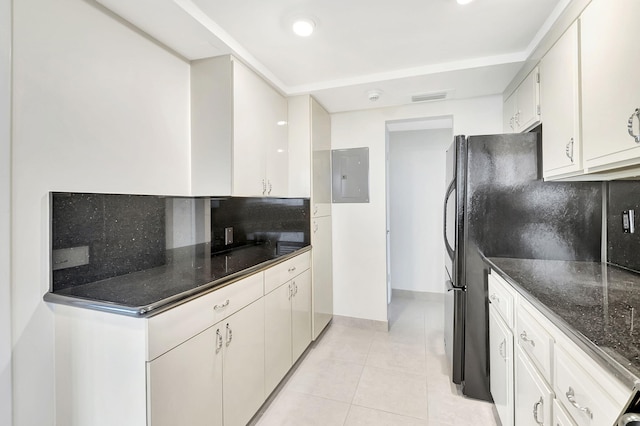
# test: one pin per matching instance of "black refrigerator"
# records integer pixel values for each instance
(497, 205)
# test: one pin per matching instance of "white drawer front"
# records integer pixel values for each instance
(535, 340)
(560, 415)
(501, 298)
(279, 274)
(584, 398)
(168, 329)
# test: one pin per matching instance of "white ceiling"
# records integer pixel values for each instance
(400, 48)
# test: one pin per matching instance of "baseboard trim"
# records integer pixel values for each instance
(361, 323)
(420, 295)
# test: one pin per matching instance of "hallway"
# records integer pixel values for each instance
(355, 375)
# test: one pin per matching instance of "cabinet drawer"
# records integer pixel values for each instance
(587, 400)
(560, 415)
(279, 274)
(535, 340)
(501, 298)
(168, 329)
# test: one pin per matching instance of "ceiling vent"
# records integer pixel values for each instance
(437, 96)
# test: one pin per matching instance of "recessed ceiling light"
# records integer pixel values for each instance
(303, 27)
(464, 1)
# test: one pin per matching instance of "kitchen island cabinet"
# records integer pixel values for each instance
(239, 140)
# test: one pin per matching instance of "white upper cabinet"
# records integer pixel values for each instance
(560, 100)
(239, 131)
(521, 110)
(610, 84)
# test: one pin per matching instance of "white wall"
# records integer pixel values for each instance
(359, 230)
(417, 161)
(5, 219)
(97, 107)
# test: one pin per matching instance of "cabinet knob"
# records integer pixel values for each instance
(636, 114)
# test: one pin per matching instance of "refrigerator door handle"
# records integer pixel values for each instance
(451, 287)
(450, 189)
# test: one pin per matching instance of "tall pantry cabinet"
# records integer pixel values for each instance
(310, 122)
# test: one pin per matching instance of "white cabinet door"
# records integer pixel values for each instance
(501, 367)
(243, 367)
(321, 157)
(185, 384)
(322, 270)
(560, 100)
(250, 94)
(533, 399)
(277, 327)
(560, 416)
(277, 149)
(610, 83)
(300, 314)
(508, 114)
(528, 102)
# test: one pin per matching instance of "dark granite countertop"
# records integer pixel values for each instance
(189, 271)
(594, 303)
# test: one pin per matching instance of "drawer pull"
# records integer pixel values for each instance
(525, 339)
(218, 307)
(570, 394)
(537, 405)
(218, 340)
(501, 349)
(290, 291)
(292, 269)
(494, 298)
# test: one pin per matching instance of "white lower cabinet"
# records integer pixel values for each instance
(243, 364)
(501, 364)
(287, 322)
(321, 240)
(185, 384)
(533, 397)
(214, 378)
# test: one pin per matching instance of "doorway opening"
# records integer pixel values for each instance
(415, 186)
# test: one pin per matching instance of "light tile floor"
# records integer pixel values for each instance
(354, 375)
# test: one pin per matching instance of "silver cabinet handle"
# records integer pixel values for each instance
(315, 209)
(570, 394)
(525, 339)
(264, 187)
(219, 307)
(494, 298)
(218, 340)
(636, 113)
(537, 405)
(270, 188)
(229, 335)
(292, 269)
(517, 117)
(290, 291)
(295, 289)
(501, 349)
(569, 150)
(315, 226)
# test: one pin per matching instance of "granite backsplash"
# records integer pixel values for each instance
(100, 236)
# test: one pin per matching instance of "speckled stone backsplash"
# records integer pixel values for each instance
(623, 248)
(95, 237)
